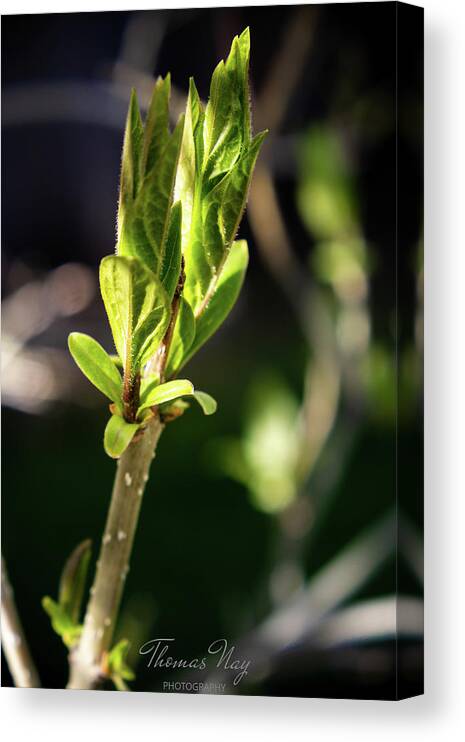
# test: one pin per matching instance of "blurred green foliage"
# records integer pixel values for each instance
(265, 458)
(325, 193)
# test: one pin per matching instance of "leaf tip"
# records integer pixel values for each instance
(133, 101)
(208, 404)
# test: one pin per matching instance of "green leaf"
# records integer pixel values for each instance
(215, 228)
(138, 309)
(183, 337)
(157, 395)
(207, 403)
(118, 669)
(171, 268)
(150, 158)
(244, 53)
(214, 172)
(147, 219)
(118, 435)
(130, 165)
(182, 197)
(116, 360)
(147, 383)
(227, 116)
(156, 133)
(228, 288)
(97, 365)
(233, 190)
(73, 580)
(117, 660)
(61, 622)
(190, 160)
(213, 179)
(64, 615)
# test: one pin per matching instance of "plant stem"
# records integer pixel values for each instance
(14, 643)
(113, 564)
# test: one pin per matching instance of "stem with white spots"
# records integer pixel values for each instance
(14, 643)
(113, 564)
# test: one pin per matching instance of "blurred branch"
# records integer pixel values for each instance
(138, 58)
(306, 611)
(100, 103)
(264, 211)
(272, 238)
(332, 585)
(142, 39)
(367, 629)
(286, 69)
(14, 643)
(322, 380)
(370, 620)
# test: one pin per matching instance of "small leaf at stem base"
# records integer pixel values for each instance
(118, 435)
(156, 395)
(97, 365)
(206, 401)
(73, 580)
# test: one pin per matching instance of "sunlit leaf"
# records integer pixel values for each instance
(227, 117)
(116, 360)
(146, 220)
(130, 164)
(177, 266)
(118, 435)
(138, 309)
(171, 268)
(233, 190)
(96, 364)
(183, 337)
(215, 168)
(165, 393)
(244, 52)
(147, 383)
(156, 129)
(215, 227)
(190, 159)
(228, 288)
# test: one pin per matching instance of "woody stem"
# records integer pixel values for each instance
(113, 564)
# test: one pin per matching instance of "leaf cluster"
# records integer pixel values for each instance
(178, 268)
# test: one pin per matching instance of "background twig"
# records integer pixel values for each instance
(14, 643)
